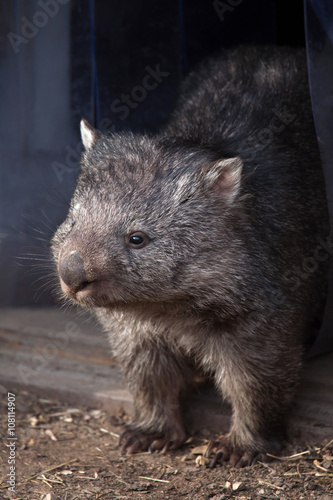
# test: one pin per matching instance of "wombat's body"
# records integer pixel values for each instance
(190, 246)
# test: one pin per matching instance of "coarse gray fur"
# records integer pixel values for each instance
(188, 246)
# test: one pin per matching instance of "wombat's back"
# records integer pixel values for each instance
(254, 102)
(228, 99)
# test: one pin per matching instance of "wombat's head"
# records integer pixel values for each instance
(150, 219)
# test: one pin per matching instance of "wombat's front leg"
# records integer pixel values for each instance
(156, 377)
(259, 383)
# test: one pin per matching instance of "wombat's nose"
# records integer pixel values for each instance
(72, 271)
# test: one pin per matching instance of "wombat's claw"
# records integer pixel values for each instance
(132, 441)
(160, 444)
(217, 457)
(226, 454)
(212, 445)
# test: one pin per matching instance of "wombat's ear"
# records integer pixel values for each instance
(224, 177)
(88, 134)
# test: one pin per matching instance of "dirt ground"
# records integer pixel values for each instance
(64, 453)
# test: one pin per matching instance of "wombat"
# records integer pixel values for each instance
(190, 246)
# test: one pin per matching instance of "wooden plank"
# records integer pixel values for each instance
(59, 353)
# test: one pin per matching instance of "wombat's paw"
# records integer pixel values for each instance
(227, 454)
(134, 439)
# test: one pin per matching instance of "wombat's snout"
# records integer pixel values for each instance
(72, 272)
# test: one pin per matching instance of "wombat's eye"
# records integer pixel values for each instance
(138, 240)
(72, 223)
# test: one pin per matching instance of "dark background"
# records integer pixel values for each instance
(78, 60)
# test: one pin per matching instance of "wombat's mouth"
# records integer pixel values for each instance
(87, 296)
(85, 290)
